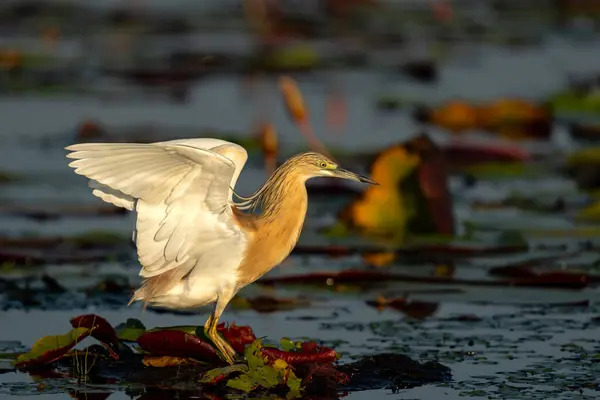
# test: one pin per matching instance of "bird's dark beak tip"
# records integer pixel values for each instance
(364, 179)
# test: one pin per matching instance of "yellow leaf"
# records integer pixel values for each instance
(280, 364)
(166, 361)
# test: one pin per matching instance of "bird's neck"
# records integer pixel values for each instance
(282, 194)
(276, 228)
(285, 200)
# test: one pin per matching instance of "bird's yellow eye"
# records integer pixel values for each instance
(323, 164)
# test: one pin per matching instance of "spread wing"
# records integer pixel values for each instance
(181, 193)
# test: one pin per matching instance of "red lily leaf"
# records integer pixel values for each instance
(238, 336)
(312, 355)
(433, 180)
(102, 331)
(554, 279)
(464, 153)
(324, 371)
(50, 348)
(178, 344)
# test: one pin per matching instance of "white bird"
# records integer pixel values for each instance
(197, 245)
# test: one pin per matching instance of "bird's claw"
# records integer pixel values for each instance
(230, 357)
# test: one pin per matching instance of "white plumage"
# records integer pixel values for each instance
(182, 192)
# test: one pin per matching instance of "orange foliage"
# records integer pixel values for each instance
(512, 117)
(379, 259)
(456, 116)
(293, 99)
(269, 145)
(380, 209)
(508, 117)
(11, 59)
(268, 139)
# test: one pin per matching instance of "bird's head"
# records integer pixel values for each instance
(313, 165)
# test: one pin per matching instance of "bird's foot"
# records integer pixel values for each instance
(226, 351)
(228, 354)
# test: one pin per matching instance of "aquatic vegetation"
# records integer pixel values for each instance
(298, 112)
(267, 136)
(412, 197)
(575, 102)
(50, 348)
(300, 57)
(554, 279)
(508, 117)
(292, 368)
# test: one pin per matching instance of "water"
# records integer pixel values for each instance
(513, 345)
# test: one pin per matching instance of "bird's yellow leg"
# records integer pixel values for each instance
(210, 329)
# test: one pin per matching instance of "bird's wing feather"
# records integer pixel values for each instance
(181, 195)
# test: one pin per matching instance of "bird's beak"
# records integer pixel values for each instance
(345, 174)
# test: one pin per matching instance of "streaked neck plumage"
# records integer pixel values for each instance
(276, 227)
(281, 190)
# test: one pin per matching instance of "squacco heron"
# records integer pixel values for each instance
(195, 243)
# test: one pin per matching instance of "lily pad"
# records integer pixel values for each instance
(130, 330)
(166, 361)
(262, 374)
(216, 375)
(590, 213)
(287, 344)
(101, 331)
(50, 348)
(177, 343)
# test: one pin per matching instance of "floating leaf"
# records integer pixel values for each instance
(244, 383)
(590, 212)
(178, 343)
(237, 335)
(216, 375)
(287, 344)
(412, 196)
(50, 348)
(432, 189)
(130, 330)
(314, 355)
(101, 331)
(379, 259)
(191, 329)
(166, 361)
(266, 372)
(587, 155)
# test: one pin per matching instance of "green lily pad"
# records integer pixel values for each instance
(573, 102)
(130, 330)
(287, 344)
(260, 374)
(589, 155)
(50, 348)
(218, 374)
(590, 213)
(191, 329)
(301, 56)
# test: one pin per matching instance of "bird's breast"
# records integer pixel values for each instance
(270, 243)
